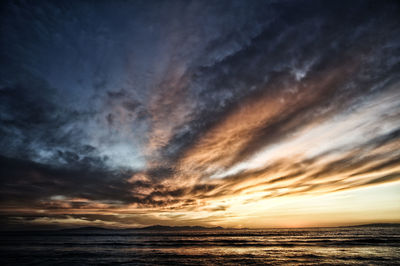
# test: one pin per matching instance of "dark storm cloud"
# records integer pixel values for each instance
(24, 181)
(31, 122)
(41, 186)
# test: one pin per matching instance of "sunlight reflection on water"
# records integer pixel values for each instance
(273, 246)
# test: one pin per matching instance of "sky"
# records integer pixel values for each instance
(214, 113)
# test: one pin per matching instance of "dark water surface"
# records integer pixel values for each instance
(329, 246)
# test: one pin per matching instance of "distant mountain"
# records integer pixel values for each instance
(179, 228)
(86, 228)
(148, 228)
(376, 225)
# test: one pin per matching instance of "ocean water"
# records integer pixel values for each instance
(315, 246)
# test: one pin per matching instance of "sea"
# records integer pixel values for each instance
(304, 246)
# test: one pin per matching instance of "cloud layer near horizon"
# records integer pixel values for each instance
(132, 113)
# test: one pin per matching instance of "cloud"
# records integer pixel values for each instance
(193, 107)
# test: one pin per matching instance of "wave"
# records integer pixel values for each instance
(159, 242)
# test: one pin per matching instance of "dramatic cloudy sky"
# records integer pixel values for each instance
(231, 113)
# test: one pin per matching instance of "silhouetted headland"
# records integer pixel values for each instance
(147, 228)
